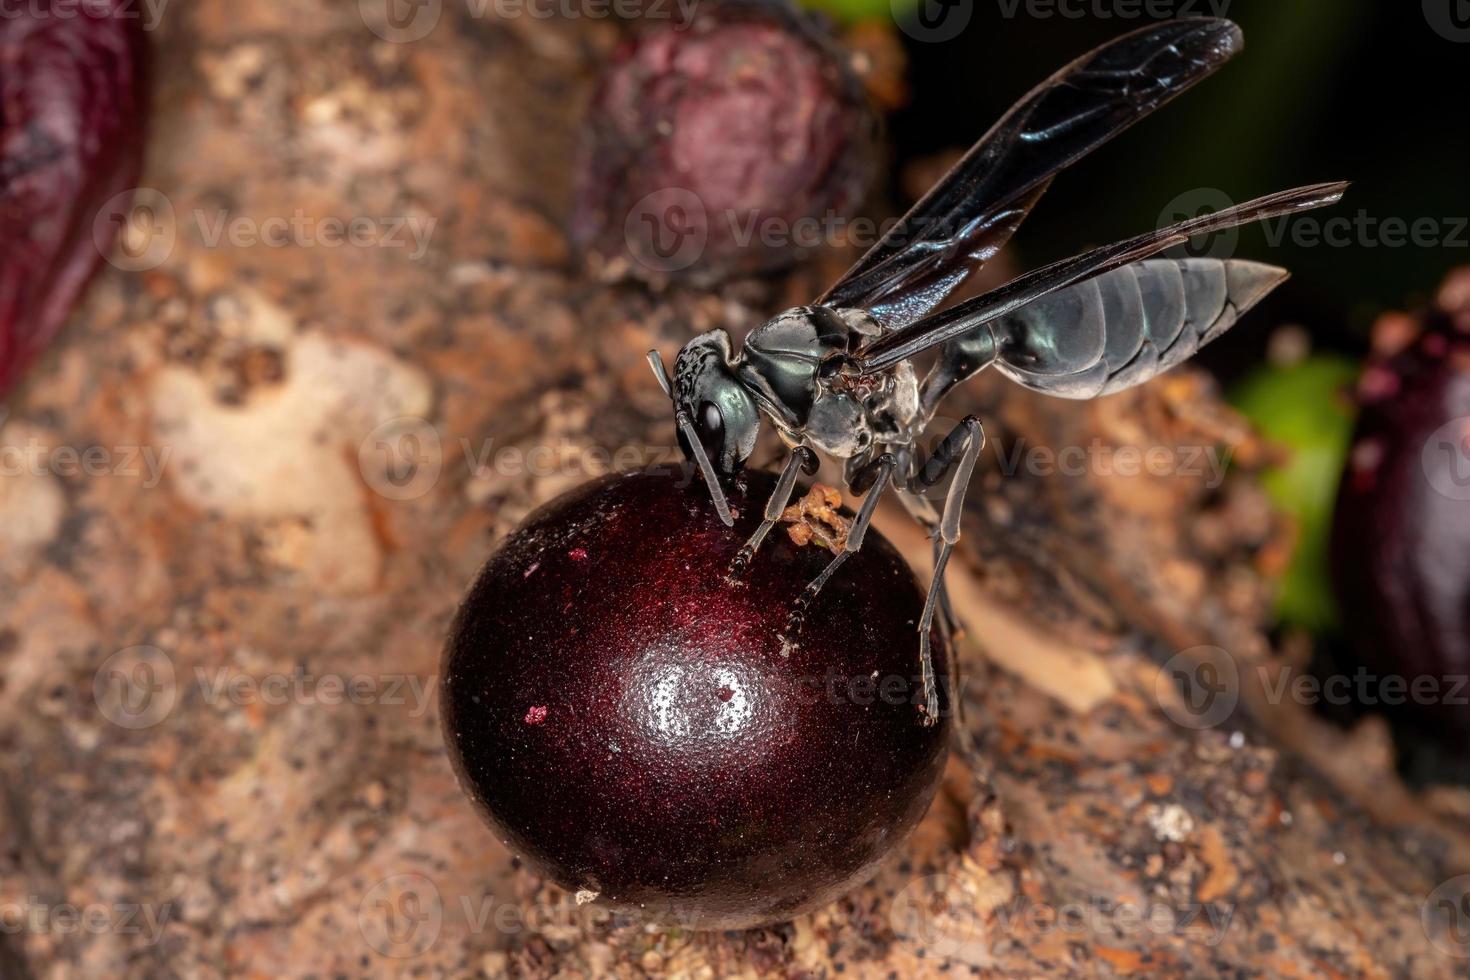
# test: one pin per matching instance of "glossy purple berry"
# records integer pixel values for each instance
(626, 719)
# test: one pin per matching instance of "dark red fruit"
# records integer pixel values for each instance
(728, 145)
(1401, 540)
(625, 718)
(71, 117)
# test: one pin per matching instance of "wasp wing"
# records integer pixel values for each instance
(971, 315)
(971, 213)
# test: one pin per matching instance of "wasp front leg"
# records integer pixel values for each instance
(956, 455)
(875, 478)
(802, 460)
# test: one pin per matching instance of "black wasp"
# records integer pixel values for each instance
(836, 376)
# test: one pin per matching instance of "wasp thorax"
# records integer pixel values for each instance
(839, 426)
(876, 408)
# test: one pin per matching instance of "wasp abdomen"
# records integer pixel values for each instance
(1124, 327)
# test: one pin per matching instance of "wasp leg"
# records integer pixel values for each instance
(802, 459)
(917, 504)
(880, 471)
(958, 451)
(953, 628)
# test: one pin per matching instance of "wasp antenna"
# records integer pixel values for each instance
(656, 361)
(710, 476)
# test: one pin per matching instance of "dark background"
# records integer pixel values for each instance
(1364, 90)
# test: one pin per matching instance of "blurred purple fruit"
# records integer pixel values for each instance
(1401, 538)
(71, 120)
(729, 145)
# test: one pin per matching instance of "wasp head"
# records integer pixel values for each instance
(717, 417)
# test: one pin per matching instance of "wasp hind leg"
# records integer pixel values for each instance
(802, 460)
(876, 477)
(948, 621)
(926, 516)
(957, 454)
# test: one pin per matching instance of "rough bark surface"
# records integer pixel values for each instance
(336, 423)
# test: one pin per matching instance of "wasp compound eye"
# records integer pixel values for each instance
(711, 427)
